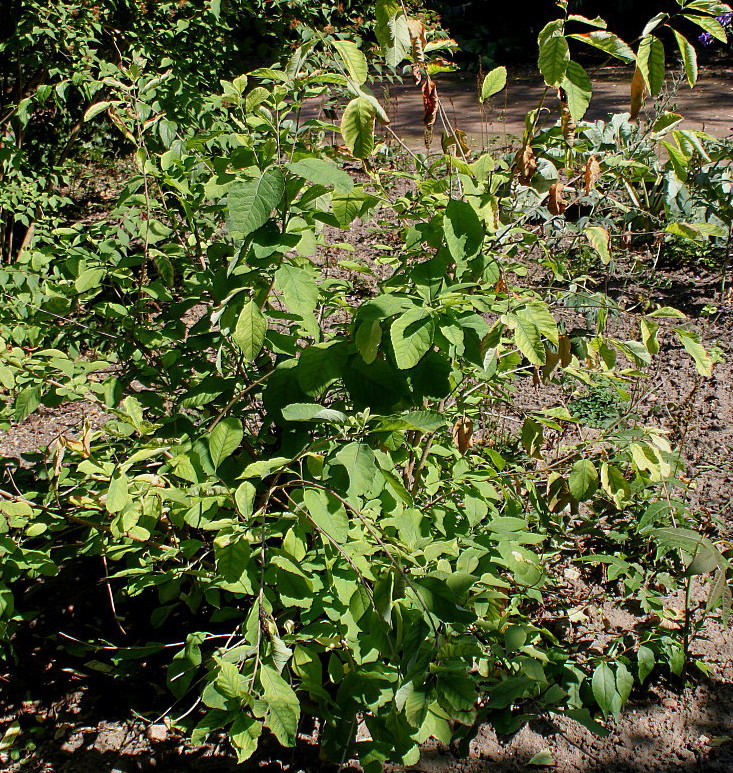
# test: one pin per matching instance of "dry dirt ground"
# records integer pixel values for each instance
(667, 727)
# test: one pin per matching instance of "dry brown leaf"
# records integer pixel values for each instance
(526, 163)
(555, 202)
(417, 73)
(592, 173)
(568, 126)
(638, 92)
(567, 122)
(430, 101)
(463, 434)
(417, 38)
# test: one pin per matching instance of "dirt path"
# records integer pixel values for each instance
(708, 107)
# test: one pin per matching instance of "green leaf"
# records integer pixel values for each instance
(532, 437)
(230, 682)
(604, 688)
(249, 333)
(691, 343)
(599, 239)
(653, 23)
(184, 665)
(392, 32)
(361, 466)
(710, 25)
(89, 279)
(95, 110)
(244, 496)
(26, 402)
(347, 207)
(320, 171)
(527, 338)
(689, 57)
(298, 287)
(703, 557)
(249, 203)
(720, 594)
(624, 685)
(232, 559)
(607, 42)
(224, 439)
(283, 708)
(697, 232)
(650, 60)
(319, 366)
(597, 22)
(464, 233)
(645, 662)
(412, 336)
(583, 480)
(328, 514)
(311, 412)
(357, 127)
(539, 314)
(680, 163)
(368, 338)
(353, 59)
(554, 59)
(493, 83)
(420, 421)
(10, 736)
(579, 90)
(584, 717)
(543, 758)
(118, 493)
(244, 735)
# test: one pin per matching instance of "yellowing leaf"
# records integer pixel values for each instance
(353, 59)
(599, 239)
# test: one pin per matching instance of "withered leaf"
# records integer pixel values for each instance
(430, 101)
(526, 164)
(592, 173)
(638, 92)
(555, 202)
(463, 434)
(417, 38)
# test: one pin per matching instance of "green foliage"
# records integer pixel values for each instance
(304, 463)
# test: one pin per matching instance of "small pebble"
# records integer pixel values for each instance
(157, 733)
